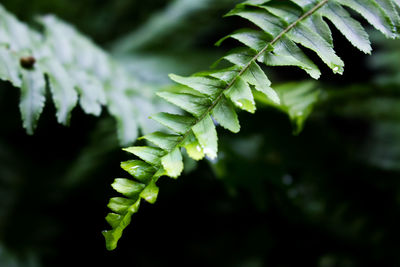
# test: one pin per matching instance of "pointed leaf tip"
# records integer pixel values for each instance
(151, 155)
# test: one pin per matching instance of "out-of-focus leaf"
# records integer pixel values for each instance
(76, 69)
(297, 101)
(32, 102)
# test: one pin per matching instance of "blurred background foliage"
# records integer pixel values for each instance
(327, 197)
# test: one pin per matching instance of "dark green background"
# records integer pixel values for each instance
(329, 197)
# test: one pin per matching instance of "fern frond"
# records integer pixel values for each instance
(74, 69)
(283, 26)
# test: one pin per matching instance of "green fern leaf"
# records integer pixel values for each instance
(239, 57)
(172, 163)
(282, 28)
(196, 105)
(193, 148)
(390, 10)
(9, 69)
(162, 140)
(139, 169)
(249, 37)
(177, 123)
(151, 155)
(150, 193)
(128, 187)
(350, 28)
(240, 94)
(206, 86)
(287, 53)
(225, 115)
(269, 23)
(374, 14)
(33, 90)
(285, 10)
(310, 39)
(256, 77)
(206, 134)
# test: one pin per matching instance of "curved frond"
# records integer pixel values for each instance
(282, 30)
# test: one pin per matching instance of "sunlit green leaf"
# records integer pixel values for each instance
(172, 163)
(256, 76)
(138, 169)
(193, 148)
(178, 123)
(193, 104)
(127, 187)
(151, 155)
(241, 96)
(163, 140)
(206, 133)
(225, 114)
